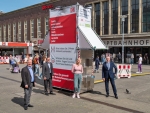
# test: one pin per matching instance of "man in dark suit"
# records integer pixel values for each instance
(47, 72)
(107, 74)
(28, 81)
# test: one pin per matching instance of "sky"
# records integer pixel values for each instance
(11, 5)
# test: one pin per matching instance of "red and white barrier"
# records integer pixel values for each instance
(124, 71)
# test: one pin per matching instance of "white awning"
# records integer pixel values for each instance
(46, 42)
(88, 39)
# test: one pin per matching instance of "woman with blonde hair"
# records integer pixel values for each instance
(36, 63)
(77, 70)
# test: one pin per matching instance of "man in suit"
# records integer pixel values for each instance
(28, 81)
(107, 74)
(47, 71)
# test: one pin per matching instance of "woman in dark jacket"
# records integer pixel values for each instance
(97, 64)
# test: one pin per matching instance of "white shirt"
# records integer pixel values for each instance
(140, 60)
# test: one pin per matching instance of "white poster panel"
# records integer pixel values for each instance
(63, 55)
(84, 17)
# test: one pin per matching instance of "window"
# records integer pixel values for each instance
(19, 31)
(25, 30)
(146, 16)
(105, 17)
(38, 28)
(114, 17)
(97, 18)
(124, 11)
(9, 32)
(46, 25)
(4, 32)
(14, 32)
(135, 16)
(32, 28)
(0, 33)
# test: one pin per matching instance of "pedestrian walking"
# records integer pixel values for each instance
(140, 64)
(47, 72)
(132, 58)
(42, 62)
(108, 74)
(28, 81)
(77, 70)
(97, 63)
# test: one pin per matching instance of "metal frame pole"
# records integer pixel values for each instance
(123, 19)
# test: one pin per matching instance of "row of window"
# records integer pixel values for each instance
(124, 7)
(17, 34)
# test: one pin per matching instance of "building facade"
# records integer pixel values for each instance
(31, 23)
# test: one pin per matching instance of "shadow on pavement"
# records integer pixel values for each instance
(18, 100)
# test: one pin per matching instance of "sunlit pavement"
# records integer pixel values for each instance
(11, 100)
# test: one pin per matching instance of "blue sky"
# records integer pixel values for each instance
(11, 5)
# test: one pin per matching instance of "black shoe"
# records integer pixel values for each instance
(25, 107)
(52, 93)
(46, 93)
(107, 95)
(116, 97)
(30, 105)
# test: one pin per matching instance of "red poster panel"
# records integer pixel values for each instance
(63, 79)
(63, 29)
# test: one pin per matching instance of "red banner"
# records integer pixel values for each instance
(63, 79)
(63, 29)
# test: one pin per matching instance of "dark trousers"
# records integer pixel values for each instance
(48, 84)
(27, 95)
(112, 84)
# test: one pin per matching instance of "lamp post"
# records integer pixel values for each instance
(123, 20)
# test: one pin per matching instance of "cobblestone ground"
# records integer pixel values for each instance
(11, 97)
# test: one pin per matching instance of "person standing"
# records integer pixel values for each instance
(47, 72)
(36, 64)
(140, 64)
(42, 62)
(22, 58)
(97, 64)
(107, 74)
(132, 58)
(28, 81)
(119, 57)
(77, 70)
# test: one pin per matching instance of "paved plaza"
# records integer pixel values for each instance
(11, 96)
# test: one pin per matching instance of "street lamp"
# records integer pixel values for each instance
(123, 20)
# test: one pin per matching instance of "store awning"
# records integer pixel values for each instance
(45, 44)
(88, 39)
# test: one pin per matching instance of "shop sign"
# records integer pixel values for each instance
(3, 43)
(40, 42)
(128, 42)
(44, 7)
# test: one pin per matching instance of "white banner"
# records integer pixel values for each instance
(63, 55)
(65, 11)
(84, 17)
(124, 70)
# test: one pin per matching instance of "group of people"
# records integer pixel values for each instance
(28, 78)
